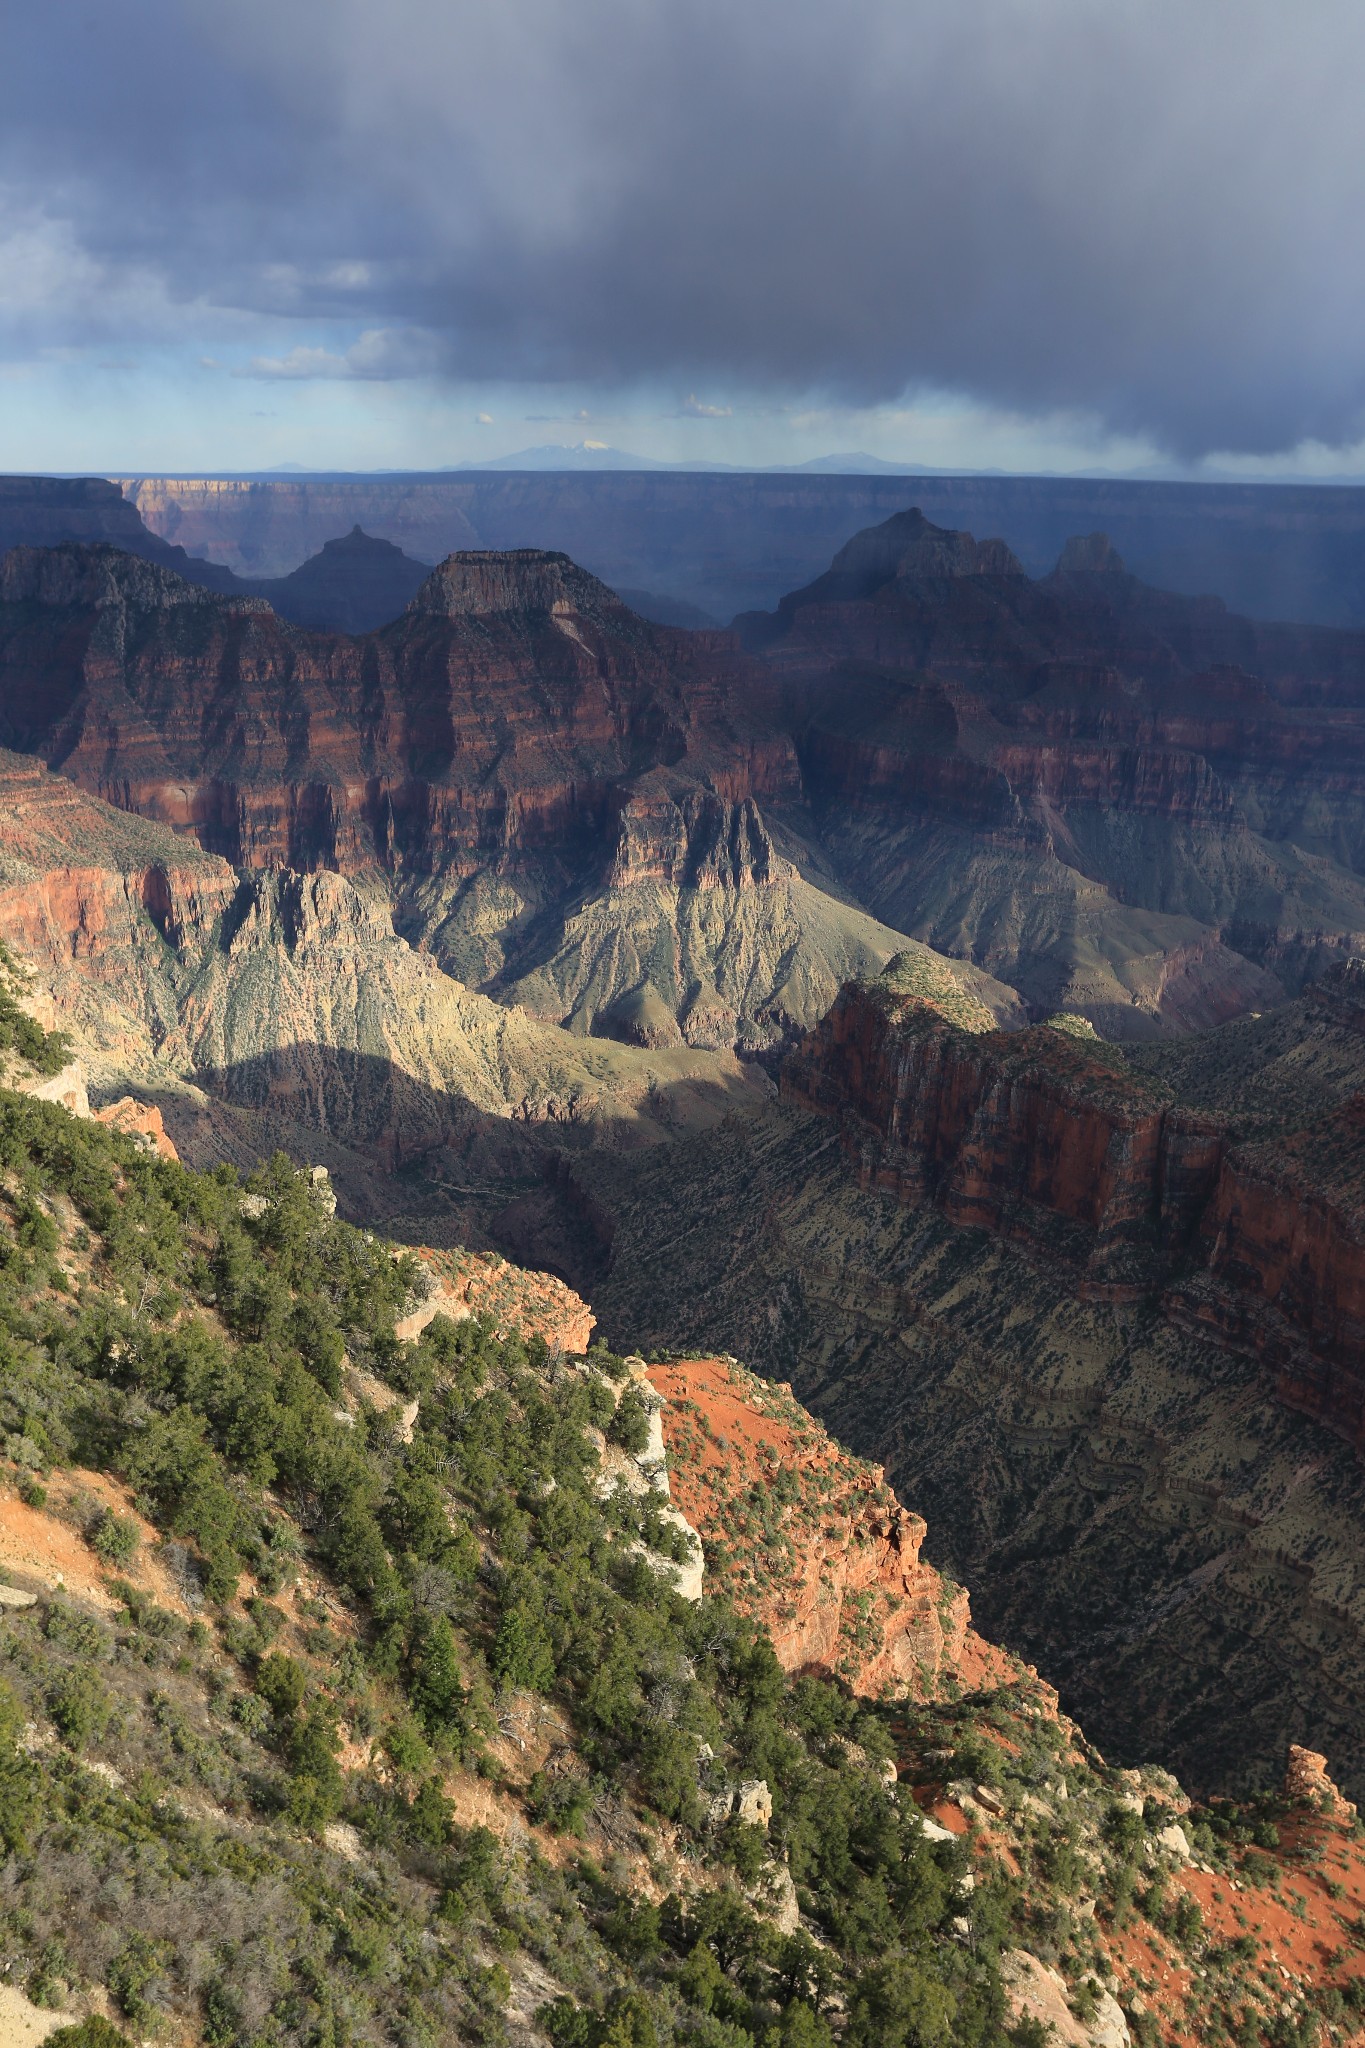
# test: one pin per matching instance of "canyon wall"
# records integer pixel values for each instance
(1057, 1144)
(728, 542)
(1116, 801)
(812, 1541)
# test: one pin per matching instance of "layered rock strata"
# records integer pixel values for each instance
(1058, 1144)
(563, 803)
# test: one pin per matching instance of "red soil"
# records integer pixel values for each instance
(812, 1539)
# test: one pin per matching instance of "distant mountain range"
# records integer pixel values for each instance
(569, 455)
(733, 541)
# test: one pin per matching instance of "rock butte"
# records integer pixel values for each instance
(1132, 805)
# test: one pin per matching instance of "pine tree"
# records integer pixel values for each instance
(436, 1690)
(522, 1655)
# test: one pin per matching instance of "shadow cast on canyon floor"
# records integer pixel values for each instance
(425, 1165)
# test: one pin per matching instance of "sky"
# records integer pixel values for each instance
(1114, 235)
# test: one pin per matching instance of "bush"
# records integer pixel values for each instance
(80, 1708)
(562, 1805)
(18, 1778)
(901, 2004)
(522, 1653)
(137, 1971)
(316, 1787)
(629, 1426)
(1123, 1829)
(93, 2032)
(114, 1540)
(281, 1684)
(435, 1686)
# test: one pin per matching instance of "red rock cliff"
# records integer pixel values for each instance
(1028, 1133)
(509, 707)
(812, 1539)
(1044, 1139)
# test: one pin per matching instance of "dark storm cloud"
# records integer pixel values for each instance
(1150, 210)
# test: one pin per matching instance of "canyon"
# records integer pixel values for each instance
(1094, 1309)
(1102, 798)
(562, 803)
(1248, 1226)
(709, 970)
(728, 543)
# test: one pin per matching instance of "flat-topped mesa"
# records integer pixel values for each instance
(481, 581)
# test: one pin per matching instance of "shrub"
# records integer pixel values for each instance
(93, 2032)
(629, 1426)
(18, 1778)
(80, 1707)
(1122, 1829)
(522, 1653)
(281, 1684)
(135, 1975)
(435, 1686)
(115, 1540)
(316, 1787)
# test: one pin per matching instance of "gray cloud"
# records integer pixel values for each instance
(1149, 210)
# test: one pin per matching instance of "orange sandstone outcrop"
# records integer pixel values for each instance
(811, 1539)
(140, 1120)
(79, 883)
(1306, 1783)
(484, 1284)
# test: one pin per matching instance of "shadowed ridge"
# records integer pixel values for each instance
(1090, 554)
(100, 575)
(354, 584)
(908, 547)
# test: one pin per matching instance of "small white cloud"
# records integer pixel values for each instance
(380, 355)
(692, 408)
(483, 419)
(300, 362)
(348, 276)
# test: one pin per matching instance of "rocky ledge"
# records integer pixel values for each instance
(812, 1540)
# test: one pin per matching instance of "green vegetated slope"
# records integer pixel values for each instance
(167, 1781)
(419, 1744)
